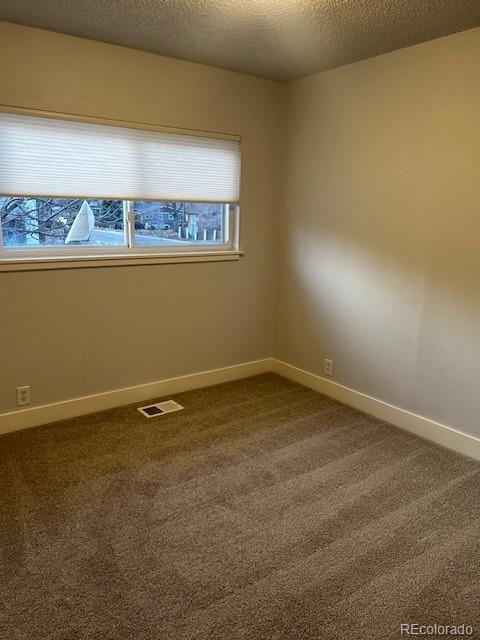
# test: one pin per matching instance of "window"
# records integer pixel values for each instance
(36, 225)
(80, 189)
(42, 223)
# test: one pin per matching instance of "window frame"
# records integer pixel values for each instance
(129, 254)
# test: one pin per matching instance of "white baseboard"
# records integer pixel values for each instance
(421, 426)
(424, 427)
(42, 414)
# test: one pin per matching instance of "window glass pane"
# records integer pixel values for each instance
(179, 223)
(37, 222)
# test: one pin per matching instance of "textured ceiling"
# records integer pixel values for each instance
(279, 39)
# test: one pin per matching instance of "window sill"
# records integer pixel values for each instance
(81, 262)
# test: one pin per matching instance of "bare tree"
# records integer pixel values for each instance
(177, 210)
(47, 220)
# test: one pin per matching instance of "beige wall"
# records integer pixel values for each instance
(76, 332)
(379, 258)
(378, 246)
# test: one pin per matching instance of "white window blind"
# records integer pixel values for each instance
(54, 157)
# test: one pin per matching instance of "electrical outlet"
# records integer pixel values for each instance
(23, 396)
(328, 367)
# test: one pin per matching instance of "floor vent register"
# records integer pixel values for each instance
(160, 408)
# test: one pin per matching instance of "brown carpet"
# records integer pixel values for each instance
(262, 511)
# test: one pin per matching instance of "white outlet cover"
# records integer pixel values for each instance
(160, 408)
(23, 396)
(328, 367)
